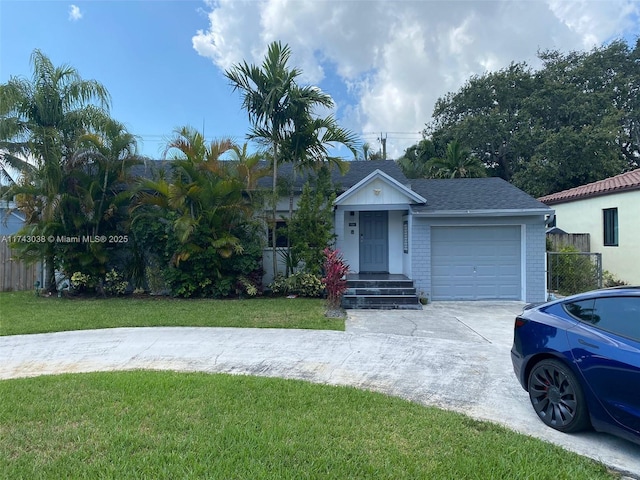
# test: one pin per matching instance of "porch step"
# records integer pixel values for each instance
(380, 293)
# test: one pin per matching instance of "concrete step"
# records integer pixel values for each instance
(390, 302)
(381, 291)
(380, 283)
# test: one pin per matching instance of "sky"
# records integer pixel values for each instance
(385, 63)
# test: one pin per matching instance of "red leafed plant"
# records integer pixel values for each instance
(335, 279)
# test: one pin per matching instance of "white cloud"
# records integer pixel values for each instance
(398, 57)
(74, 13)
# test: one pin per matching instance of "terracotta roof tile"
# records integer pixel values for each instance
(619, 183)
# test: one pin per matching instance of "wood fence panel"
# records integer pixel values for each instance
(15, 275)
(582, 241)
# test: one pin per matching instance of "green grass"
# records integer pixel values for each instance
(170, 425)
(23, 312)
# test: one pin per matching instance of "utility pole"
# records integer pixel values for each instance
(383, 140)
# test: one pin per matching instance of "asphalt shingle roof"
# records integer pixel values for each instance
(619, 183)
(356, 172)
(462, 194)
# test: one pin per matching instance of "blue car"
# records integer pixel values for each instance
(579, 360)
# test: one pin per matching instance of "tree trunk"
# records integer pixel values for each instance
(50, 275)
(274, 235)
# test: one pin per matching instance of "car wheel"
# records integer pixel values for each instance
(556, 396)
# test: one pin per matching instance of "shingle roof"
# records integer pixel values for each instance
(619, 183)
(472, 194)
(357, 171)
(460, 194)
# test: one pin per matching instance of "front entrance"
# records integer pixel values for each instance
(374, 242)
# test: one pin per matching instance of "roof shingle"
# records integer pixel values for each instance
(472, 194)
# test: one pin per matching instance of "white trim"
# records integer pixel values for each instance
(523, 262)
(482, 213)
(379, 174)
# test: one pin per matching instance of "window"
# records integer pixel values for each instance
(619, 315)
(583, 310)
(281, 237)
(610, 219)
(405, 237)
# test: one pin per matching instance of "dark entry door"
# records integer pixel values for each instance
(374, 242)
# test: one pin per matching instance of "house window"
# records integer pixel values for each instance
(281, 237)
(610, 220)
(405, 237)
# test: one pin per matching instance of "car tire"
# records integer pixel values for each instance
(557, 396)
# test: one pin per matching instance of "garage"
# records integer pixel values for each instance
(476, 263)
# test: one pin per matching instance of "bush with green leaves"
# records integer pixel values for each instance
(572, 271)
(310, 229)
(115, 283)
(81, 282)
(304, 284)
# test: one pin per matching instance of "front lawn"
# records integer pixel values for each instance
(23, 312)
(166, 425)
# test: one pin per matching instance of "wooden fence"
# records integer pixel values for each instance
(14, 274)
(582, 241)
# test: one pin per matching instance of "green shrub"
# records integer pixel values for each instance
(300, 283)
(114, 283)
(572, 272)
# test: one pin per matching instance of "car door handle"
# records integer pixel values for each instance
(587, 344)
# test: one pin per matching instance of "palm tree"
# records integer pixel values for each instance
(41, 120)
(308, 145)
(457, 163)
(308, 148)
(207, 202)
(98, 198)
(273, 99)
(247, 167)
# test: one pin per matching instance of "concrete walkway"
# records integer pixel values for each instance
(453, 355)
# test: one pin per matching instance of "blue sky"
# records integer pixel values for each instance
(385, 63)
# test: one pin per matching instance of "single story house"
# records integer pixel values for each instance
(609, 210)
(456, 239)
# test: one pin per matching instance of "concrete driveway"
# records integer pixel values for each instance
(451, 354)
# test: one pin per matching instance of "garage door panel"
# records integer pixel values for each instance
(475, 263)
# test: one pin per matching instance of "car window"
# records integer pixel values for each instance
(582, 310)
(619, 315)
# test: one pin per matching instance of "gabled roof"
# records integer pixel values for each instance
(460, 196)
(474, 195)
(357, 170)
(619, 183)
(411, 195)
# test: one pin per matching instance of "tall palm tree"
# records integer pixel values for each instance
(457, 163)
(41, 120)
(309, 144)
(273, 99)
(97, 199)
(207, 202)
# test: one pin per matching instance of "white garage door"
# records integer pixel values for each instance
(476, 263)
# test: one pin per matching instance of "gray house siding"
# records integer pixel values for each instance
(532, 241)
(536, 273)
